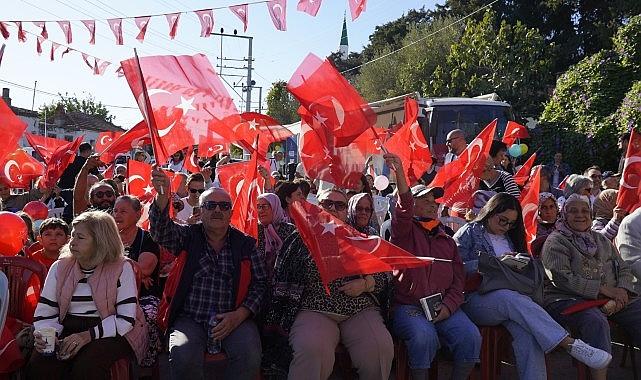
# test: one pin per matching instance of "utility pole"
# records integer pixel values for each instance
(250, 83)
(33, 98)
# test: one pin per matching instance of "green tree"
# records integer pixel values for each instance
(281, 105)
(629, 113)
(352, 63)
(88, 105)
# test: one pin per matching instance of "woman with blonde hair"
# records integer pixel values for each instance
(90, 299)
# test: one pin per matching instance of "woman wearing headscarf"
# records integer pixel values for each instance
(606, 216)
(583, 265)
(273, 228)
(576, 184)
(499, 231)
(360, 209)
(546, 221)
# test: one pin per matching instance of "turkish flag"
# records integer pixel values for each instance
(22, 36)
(115, 24)
(4, 30)
(372, 140)
(45, 146)
(191, 160)
(43, 26)
(232, 178)
(105, 139)
(54, 47)
(100, 67)
(139, 180)
(563, 183)
(310, 7)
(514, 131)
(19, 169)
(458, 190)
(356, 7)
(333, 105)
(142, 23)
(244, 215)
(523, 173)
(340, 251)
(206, 17)
(278, 12)
(11, 129)
(410, 145)
(66, 29)
(479, 147)
(530, 206)
(249, 126)
(91, 27)
(60, 159)
(136, 137)
(39, 41)
(241, 11)
(172, 20)
(628, 197)
(187, 101)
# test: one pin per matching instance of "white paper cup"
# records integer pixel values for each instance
(49, 336)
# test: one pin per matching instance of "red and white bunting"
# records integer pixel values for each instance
(39, 41)
(43, 27)
(142, 23)
(85, 57)
(206, 17)
(172, 20)
(356, 7)
(91, 27)
(278, 12)
(99, 68)
(242, 12)
(115, 24)
(66, 29)
(67, 50)
(54, 47)
(310, 7)
(4, 30)
(22, 36)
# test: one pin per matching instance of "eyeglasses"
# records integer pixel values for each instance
(104, 194)
(211, 205)
(366, 210)
(505, 222)
(194, 191)
(452, 139)
(264, 206)
(337, 205)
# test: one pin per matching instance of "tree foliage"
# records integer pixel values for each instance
(281, 105)
(352, 64)
(88, 105)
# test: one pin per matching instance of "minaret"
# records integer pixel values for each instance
(344, 45)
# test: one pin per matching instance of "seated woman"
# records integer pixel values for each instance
(576, 184)
(310, 323)
(606, 216)
(584, 265)
(360, 209)
(288, 192)
(546, 220)
(272, 229)
(497, 231)
(140, 247)
(89, 297)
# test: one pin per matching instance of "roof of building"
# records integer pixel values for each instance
(24, 112)
(81, 121)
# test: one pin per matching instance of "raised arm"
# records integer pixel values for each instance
(163, 230)
(80, 190)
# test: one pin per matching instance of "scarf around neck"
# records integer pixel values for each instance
(583, 240)
(273, 242)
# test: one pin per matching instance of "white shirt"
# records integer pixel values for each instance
(449, 157)
(186, 212)
(500, 244)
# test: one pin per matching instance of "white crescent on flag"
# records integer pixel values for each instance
(7, 169)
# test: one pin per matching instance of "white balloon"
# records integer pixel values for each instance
(381, 182)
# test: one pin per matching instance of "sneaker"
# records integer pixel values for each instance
(592, 357)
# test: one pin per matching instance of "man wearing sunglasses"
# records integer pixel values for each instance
(190, 214)
(456, 144)
(220, 289)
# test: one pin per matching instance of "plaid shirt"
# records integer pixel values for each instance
(211, 290)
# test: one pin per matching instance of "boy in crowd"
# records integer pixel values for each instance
(54, 234)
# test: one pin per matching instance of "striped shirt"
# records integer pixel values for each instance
(47, 313)
(504, 183)
(606, 227)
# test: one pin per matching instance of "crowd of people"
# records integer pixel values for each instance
(194, 285)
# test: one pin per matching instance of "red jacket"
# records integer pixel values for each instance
(439, 277)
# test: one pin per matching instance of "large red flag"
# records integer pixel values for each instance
(523, 173)
(60, 159)
(410, 145)
(310, 7)
(136, 137)
(458, 190)
(479, 147)
(356, 7)
(514, 131)
(248, 126)
(628, 197)
(139, 180)
(187, 101)
(278, 12)
(45, 146)
(105, 139)
(244, 216)
(19, 169)
(11, 129)
(530, 205)
(340, 251)
(333, 106)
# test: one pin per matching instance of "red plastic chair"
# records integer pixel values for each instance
(30, 250)
(19, 271)
(493, 346)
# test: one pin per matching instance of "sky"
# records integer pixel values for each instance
(276, 54)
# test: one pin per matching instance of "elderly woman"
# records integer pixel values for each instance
(140, 247)
(360, 209)
(576, 184)
(584, 265)
(310, 322)
(498, 231)
(89, 298)
(606, 216)
(546, 221)
(272, 229)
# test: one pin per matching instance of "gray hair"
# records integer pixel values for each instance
(574, 183)
(211, 191)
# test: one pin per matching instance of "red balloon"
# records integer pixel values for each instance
(13, 233)
(36, 210)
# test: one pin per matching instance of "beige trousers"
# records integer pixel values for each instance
(314, 337)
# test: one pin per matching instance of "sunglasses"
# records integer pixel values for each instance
(104, 194)
(194, 191)
(505, 222)
(452, 139)
(337, 205)
(366, 210)
(211, 205)
(263, 207)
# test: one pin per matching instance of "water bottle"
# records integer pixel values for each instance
(213, 345)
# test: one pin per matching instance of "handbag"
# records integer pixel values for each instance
(497, 275)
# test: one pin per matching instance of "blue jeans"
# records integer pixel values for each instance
(422, 337)
(592, 326)
(188, 342)
(534, 332)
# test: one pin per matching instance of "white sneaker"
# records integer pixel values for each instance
(588, 355)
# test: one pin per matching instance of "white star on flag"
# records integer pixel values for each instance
(320, 119)
(252, 124)
(250, 216)
(186, 105)
(327, 155)
(329, 227)
(412, 145)
(148, 189)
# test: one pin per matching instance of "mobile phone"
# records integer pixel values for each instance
(195, 210)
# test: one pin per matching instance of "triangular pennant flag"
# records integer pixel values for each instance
(39, 41)
(115, 24)
(43, 27)
(356, 7)
(4, 30)
(67, 50)
(91, 27)
(54, 47)
(242, 12)
(85, 57)
(206, 17)
(278, 12)
(310, 7)
(142, 23)
(100, 67)
(22, 36)
(172, 20)
(66, 29)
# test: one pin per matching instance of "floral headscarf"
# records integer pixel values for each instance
(351, 211)
(583, 240)
(544, 196)
(273, 242)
